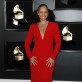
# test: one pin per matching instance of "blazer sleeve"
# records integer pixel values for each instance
(57, 39)
(28, 42)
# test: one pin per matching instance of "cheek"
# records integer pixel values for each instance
(39, 14)
(46, 14)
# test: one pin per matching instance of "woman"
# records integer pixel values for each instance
(43, 56)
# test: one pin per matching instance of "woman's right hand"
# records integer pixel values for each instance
(33, 60)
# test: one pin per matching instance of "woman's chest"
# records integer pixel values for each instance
(43, 34)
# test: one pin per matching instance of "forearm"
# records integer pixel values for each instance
(57, 41)
(28, 41)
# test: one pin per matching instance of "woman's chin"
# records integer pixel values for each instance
(43, 19)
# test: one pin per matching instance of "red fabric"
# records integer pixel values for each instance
(43, 48)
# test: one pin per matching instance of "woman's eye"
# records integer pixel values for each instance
(44, 12)
(41, 12)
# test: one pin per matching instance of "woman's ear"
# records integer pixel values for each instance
(37, 12)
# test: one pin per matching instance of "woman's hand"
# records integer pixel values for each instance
(50, 62)
(33, 60)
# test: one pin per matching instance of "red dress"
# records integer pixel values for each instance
(43, 49)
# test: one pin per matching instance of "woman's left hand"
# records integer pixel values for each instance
(50, 62)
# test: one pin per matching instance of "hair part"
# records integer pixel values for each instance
(41, 6)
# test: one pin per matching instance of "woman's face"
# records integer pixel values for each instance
(43, 13)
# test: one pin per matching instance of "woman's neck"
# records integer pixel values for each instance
(43, 21)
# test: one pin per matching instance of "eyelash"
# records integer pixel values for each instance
(43, 12)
